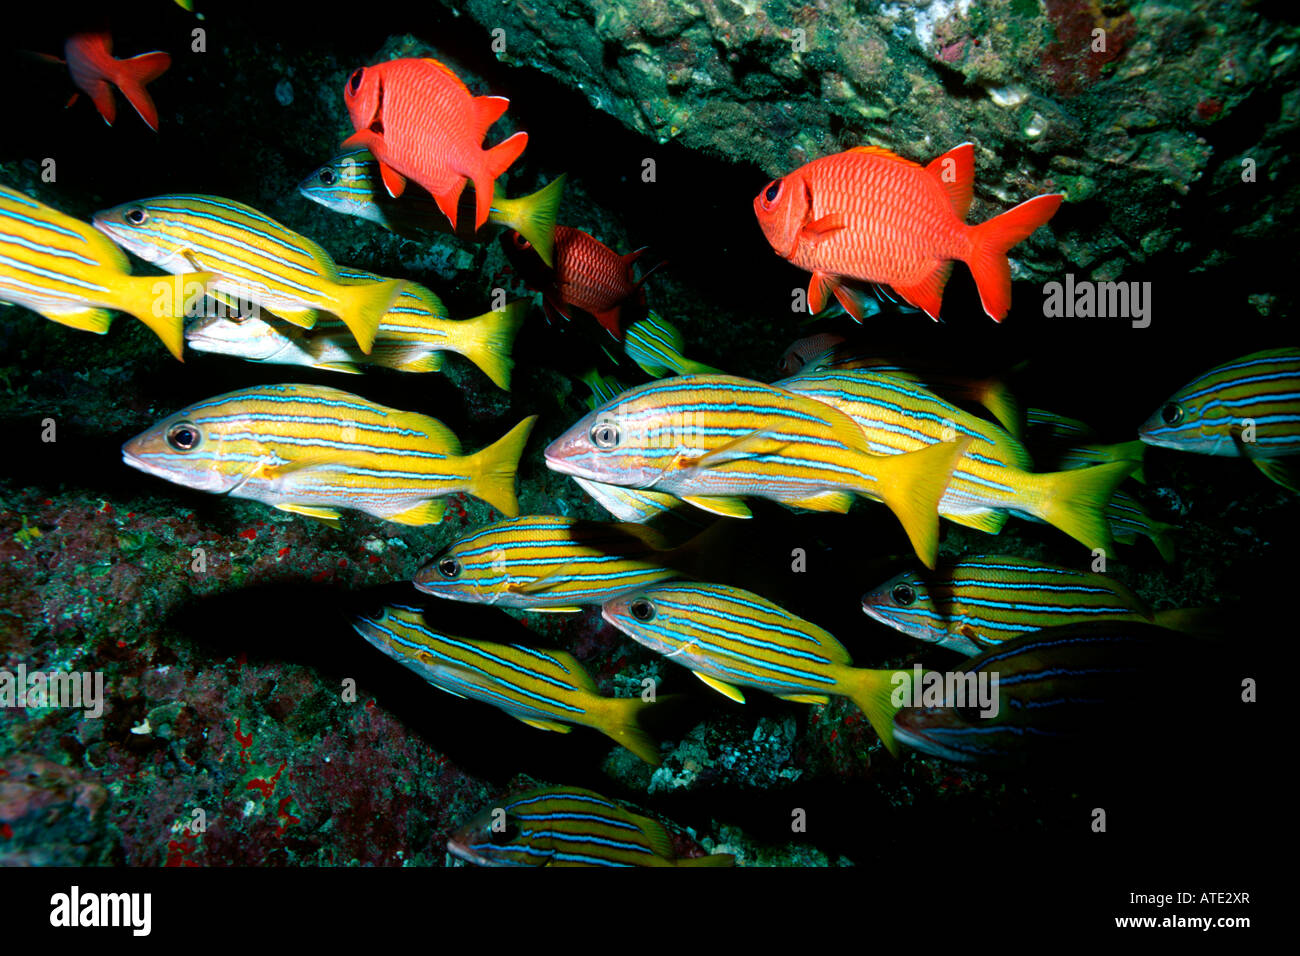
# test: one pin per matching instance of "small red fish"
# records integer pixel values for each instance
(587, 275)
(871, 215)
(422, 123)
(95, 71)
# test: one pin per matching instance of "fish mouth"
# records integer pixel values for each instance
(565, 467)
(463, 852)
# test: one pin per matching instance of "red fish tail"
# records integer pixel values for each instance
(990, 242)
(496, 162)
(131, 77)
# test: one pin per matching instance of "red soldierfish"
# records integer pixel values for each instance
(871, 215)
(587, 275)
(95, 71)
(421, 122)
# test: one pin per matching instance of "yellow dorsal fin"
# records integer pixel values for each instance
(722, 687)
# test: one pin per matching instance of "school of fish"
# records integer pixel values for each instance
(675, 460)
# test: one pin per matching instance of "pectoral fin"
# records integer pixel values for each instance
(727, 507)
(722, 687)
(327, 515)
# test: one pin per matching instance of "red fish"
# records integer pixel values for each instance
(587, 275)
(422, 123)
(871, 215)
(95, 71)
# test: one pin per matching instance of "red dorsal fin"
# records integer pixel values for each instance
(446, 69)
(487, 110)
(883, 154)
(955, 171)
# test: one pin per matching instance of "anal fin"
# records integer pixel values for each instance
(426, 512)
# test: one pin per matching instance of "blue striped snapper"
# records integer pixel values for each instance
(992, 478)
(1061, 691)
(604, 388)
(551, 563)
(1247, 408)
(657, 345)
(712, 440)
(69, 272)
(1043, 427)
(412, 337)
(826, 352)
(1129, 520)
(254, 258)
(731, 638)
(568, 826)
(350, 184)
(982, 600)
(315, 451)
(549, 690)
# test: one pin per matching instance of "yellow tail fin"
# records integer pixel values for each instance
(363, 307)
(533, 216)
(912, 484)
(494, 467)
(880, 694)
(621, 722)
(1075, 501)
(160, 303)
(997, 398)
(488, 339)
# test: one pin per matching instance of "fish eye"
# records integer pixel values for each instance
(354, 81)
(642, 610)
(1172, 413)
(604, 435)
(183, 436)
(773, 191)
(327, 176)
(903, 594)
(449, 567)
(136, 217)
(374, 613)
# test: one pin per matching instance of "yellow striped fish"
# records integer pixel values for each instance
(1128, 519)
(70, 273)
(314, 451)
(549, 690)
(992, 477)
(551, 563)
(350, 184)
(412, 337)
(989, 391)
(1247, 408)
(712, 440)
(568, 826)
(254, 258)
(657, 346)
(731, 638)
(981, 600)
